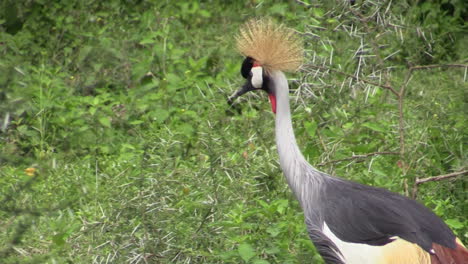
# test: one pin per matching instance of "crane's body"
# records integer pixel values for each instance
(348, 222)
(351, 222)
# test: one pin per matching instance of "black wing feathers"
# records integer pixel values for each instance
(363, 214)
(327, 249)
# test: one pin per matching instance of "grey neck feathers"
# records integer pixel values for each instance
(301, 176)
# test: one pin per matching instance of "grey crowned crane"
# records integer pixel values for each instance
(348, 222)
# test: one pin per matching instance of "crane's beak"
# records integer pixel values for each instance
(247, 87)
(254, 82)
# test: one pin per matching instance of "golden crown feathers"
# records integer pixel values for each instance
(274, 46)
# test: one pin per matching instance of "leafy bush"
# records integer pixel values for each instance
(118, 145)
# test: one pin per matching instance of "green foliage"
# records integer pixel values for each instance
(445, 21)
(118, 109)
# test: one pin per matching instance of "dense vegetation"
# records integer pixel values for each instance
(117, 144)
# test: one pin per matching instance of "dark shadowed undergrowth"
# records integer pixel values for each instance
(118, 146)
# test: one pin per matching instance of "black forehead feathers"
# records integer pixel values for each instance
(247, 67)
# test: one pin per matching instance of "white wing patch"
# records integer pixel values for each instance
(398, 251)
(355, 253)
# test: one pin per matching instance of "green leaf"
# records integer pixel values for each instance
(127, 146)
(279, 9)
(105, 121)
(282, 205)
(311, 127)
(92, 110)
(23, 130)
(186, 129)
(348, 125)
(136, 122)
(228, 255)
(263, 203)
(318, 12)
(246, 251)
(205, 13)
(83, 54)
(374, 126)
(272, 250)
(454, 223)
(260, 261)
(148, 40)
(59, 239)
(82, 128)
(274, 231)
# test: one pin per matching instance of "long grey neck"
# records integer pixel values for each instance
(299, 173)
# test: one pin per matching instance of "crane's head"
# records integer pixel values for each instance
(267, 47)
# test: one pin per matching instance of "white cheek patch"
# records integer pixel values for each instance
(257, 77)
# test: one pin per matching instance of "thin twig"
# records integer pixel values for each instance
(306, 5)
(406, 188)
(424, 67)
(207, 215)
(435, 178)
(359, 157)
(441, 177)
(401, 96)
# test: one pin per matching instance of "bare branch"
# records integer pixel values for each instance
(406, 188)
(359, 157)
(435, 178)
(424, 67)
(401, 125)
(441, 177)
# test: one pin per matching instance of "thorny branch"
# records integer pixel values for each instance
(400, 94)
(374, 44)
(354, 77)
(398, 91)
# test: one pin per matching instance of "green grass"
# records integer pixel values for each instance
(121, 109)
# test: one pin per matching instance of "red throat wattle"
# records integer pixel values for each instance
(273, 102)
